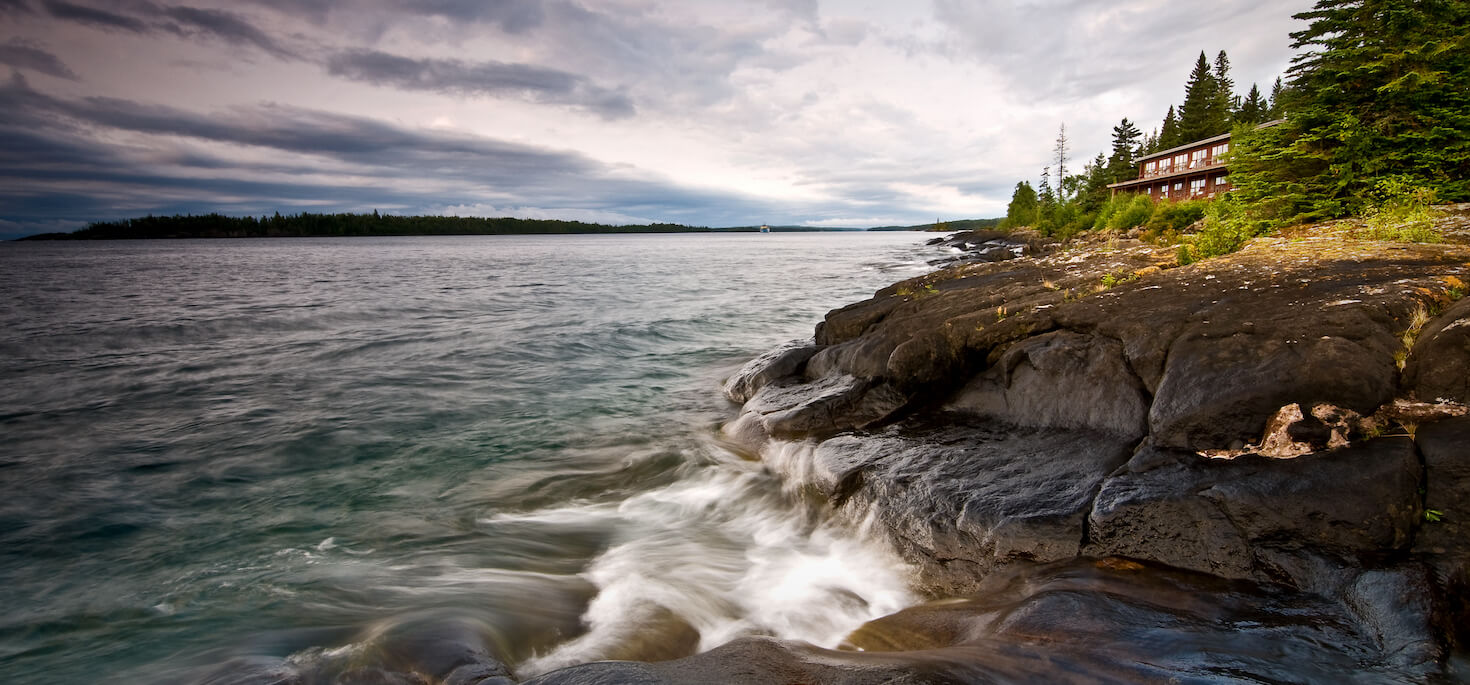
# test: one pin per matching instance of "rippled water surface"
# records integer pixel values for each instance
(222, 450)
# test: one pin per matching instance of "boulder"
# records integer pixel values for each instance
(1438, 367)
(1235, 517)
(783, 362)
(1063, 380)
(822, 407)
(964, 497)
(1444, 537)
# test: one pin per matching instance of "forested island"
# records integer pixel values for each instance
(215, 225)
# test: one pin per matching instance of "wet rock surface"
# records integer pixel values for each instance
(1112, 621)
(1066, 406)
(1109, 468)
(964, 498)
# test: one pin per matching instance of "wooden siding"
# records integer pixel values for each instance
(1193, 171)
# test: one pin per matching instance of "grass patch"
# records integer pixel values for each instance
(1401, 213)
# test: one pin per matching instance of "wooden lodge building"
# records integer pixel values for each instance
(1188, 172)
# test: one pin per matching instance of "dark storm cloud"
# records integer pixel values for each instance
(226, 26)
(15, 7)
(478, 78)
(95, 17)
(513, 16)
(57, 164)
(26, 55)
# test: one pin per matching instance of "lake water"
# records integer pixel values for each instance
(213, 452)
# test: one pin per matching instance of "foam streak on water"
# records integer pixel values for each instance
(279, 452)
(726, 552)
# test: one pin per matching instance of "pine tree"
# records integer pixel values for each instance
(1045, 197)
(1121, 165)
(1203, 114)
(1060, 150)
(1380, 89)
(1093, 184)
(1225, 100)
(1022, 209)
(1274, 110)
(1169, 135)
(1253, 109)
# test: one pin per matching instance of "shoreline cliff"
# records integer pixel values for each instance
(1109, 467)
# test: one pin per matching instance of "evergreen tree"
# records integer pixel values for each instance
(1274, 110)
(1169, 135)
(1203, 114)
(1150, 144)
(1121, 164)
(1022, 209)
(1225, 100)
(1380, 90)
(1060, 150)
(1092, 184)
(1253, 110)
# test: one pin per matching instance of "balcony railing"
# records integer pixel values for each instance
(1190, 165)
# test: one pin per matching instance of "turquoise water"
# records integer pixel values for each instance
(277, 449)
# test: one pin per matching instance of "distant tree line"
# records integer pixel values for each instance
(216, 225)
(1376, 106)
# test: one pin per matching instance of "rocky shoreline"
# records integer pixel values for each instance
(1112, 468)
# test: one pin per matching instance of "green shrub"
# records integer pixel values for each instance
(1177, 216)
(1226, 229)
(1106, 211)
(1136, 213)
(1400, 212)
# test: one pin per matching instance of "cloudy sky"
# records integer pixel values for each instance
(717, 113)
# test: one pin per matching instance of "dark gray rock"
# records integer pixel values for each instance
(961, 499)
(1219, 515)
(1060, 380)
(604, 673)
(1395, 607)
(439, 646)
(1117, 621)
(1445, 542)
(783, 362)
(1216, 391)
(823, 407)
(1438, 368)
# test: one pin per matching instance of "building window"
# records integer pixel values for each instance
(1164, 166)
(1150, 168)
(1196, 158)
(1164, 190)
(1221, 180)
(1179, 185)
(1196, 186)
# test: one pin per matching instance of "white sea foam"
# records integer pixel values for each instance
(729, 552)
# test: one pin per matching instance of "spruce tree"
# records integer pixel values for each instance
(1273, 109)
(1122, 164)
(1169, 135)
(1203, 113)
(1380, 90)
(1253, 109)
(1060, 150)
(1225, 100)
(1022, 209)
(1094, 184)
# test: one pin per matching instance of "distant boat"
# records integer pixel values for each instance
(765, 228)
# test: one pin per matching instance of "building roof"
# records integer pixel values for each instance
(1182, 148)
(1197, 143)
